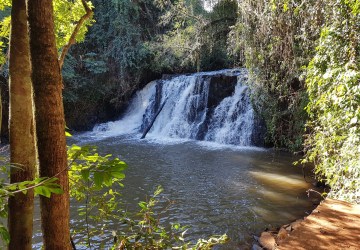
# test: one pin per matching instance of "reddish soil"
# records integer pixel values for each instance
(333, 225)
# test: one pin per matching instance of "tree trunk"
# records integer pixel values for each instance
(50, 123)
(22, 138)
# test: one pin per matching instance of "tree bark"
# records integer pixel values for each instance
(50, 123)
(22, 137)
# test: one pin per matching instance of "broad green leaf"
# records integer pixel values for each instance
(41, 190)
(98, 179)
(85, 173)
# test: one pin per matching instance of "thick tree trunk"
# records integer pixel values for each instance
(50, 124)
(22, 139)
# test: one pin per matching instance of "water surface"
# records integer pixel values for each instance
(215, 188)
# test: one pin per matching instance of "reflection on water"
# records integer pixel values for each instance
(215, 190)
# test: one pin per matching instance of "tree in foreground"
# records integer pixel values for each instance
(22, 138)
(50, 123)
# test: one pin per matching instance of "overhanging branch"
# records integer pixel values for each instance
(72, 39)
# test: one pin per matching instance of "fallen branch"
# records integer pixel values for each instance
(153, 120)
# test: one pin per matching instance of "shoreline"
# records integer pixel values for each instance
(333, 224)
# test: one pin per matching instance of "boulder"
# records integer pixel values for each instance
(267, 241)
(256, 247)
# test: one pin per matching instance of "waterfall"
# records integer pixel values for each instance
(211, 106)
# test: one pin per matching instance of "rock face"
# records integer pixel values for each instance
(282, 234)
(220, 87)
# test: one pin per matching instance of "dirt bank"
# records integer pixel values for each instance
(332, 225)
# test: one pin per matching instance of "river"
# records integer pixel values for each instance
(215, 189)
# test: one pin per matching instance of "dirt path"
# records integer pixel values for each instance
(332, 225)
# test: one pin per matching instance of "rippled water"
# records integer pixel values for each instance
(215, 189)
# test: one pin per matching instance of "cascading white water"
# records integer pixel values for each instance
(233, 119)
(185, 107)
(133, 118)
(192, 110)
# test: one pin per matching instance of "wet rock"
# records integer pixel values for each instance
(267, 240)
(256, 238)
(258, 134)
(221, 86)
(256, 247)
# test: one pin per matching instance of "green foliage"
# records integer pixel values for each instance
(66, 14)
(195, 39)
(134, 42)
(333, 82)
(104, 71)
(89, 163)
(94, 180)
(215, 36)
(285, 42)
(4, 4)
(44, 186)
(4, 33)
(4, 234)
(41, 186)
(269, 39)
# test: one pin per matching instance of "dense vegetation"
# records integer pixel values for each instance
(305, 54)
(333, 85)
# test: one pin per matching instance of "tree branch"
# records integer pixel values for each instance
(89, 13)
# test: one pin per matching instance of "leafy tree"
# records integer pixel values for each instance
(4, 28)
(286, 44)
(72, 19)
(195, 39)
(95, 181)
(333, 85)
